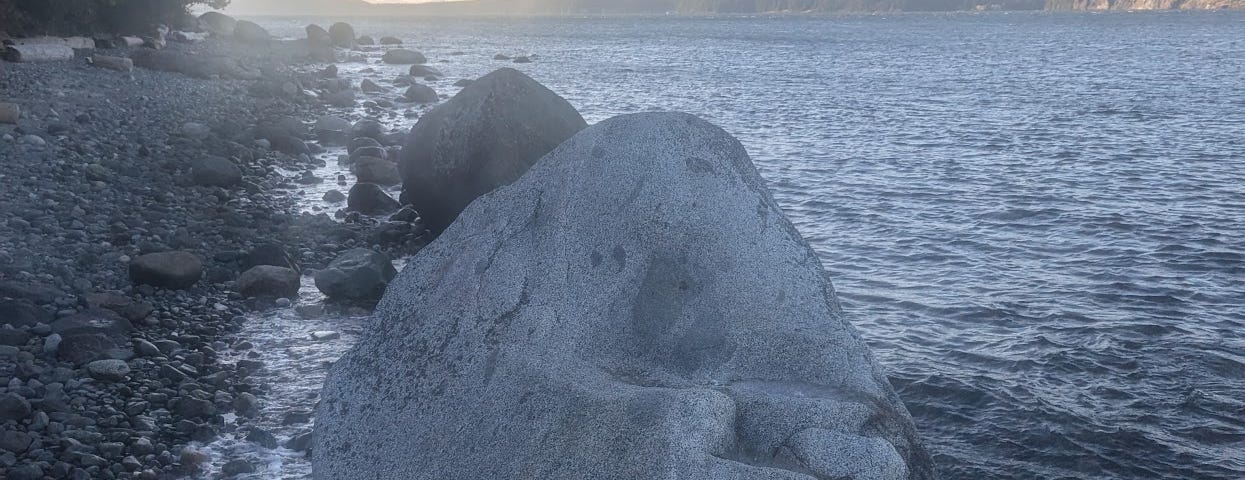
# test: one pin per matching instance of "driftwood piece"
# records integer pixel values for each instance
(119, 64)
(38, 53)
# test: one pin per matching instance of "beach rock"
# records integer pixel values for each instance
(108, 370)
(424, 71)
(198, 66)
(317, 36)
(269, 281)
(342, 34)
(464, 82)
(402, 56)
(636, 306)
(342, 99)
(173, 270)
(362, 142)
(501, 56)
(332, 130)
(376, 170)
(289, 144)
(15, 441)
(370, 199)
(268, 254)
(13, 407)
(215, 171)
(421, 94)
(368, 128)
(250, 32)
(368, 86)
(487, 136)
(522, 59)
(217, 23)
(358, 274)
(10, 113)
(390, 41)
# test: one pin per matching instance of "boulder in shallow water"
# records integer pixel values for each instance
(173, 270)
(358, 274)
(370, 199)
(269, 281)
(342, 34)
(424, 71)
(317, 36)
(487, 136)
(636, 306)
(402, 56)
(420, 94)
(376, 170)
(390, 41)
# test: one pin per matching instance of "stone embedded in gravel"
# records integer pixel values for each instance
(10, 113)
(402, 56)
(358, 274)
(13, 407)
(197, 131)
(269, 281)
(376, 170)
(370, 199)
(15, 441)
(485, 137)
(13, 337)
(419, 93)
(215, 171)
(635, 306)
(174, 270)
(109, 370)
(34, 140)
(21, 313)
(26, 472)
(145, 348)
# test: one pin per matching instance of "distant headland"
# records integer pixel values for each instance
(490, 7)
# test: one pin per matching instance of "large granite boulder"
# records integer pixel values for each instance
(636, 306)
(487, 136)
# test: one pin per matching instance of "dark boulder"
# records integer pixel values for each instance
(402, 56)
(269, 281)
(485, 137)
(389, 41)
(370, 199)
(358, 274)
(268, 254)
(376, 170)
(368, 86)
(215, 171)
(250, 32)
(366, 41)
(421, 94)
(424, 71)
(218, 24)
(637, 306)
(342, 34)
(172, 270)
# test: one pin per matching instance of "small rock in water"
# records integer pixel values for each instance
(358, 274)
(522, 59)
(325, 336)
(261, 437)
(283, 302)
(334, 196)
(402, 56)
(237, 467)
(311, 311)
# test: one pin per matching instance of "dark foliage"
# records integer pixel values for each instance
(79, 17)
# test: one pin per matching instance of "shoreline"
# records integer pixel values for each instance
(97, 172)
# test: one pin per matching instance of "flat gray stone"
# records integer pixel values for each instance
(635, 306)
(108, 370)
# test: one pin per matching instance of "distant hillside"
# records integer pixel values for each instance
(808, 6)
(485, 7)
(296, 7)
